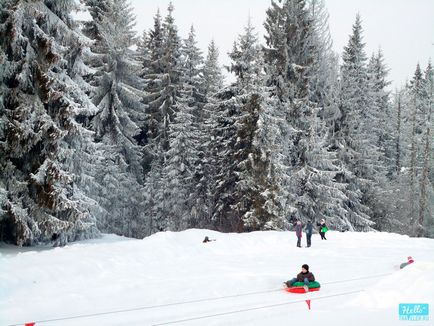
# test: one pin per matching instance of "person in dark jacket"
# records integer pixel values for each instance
(304, 276)
(322, 225)
(308, 231)
(298, 232)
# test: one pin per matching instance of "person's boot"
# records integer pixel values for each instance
(306, 288)
(288, 284)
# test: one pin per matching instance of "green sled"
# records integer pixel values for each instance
(312, 285)
(324, 230)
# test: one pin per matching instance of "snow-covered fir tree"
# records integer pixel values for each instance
(162, 84)
(425, 219)
(223, 113)
(143, 53)
(162, 81)
(415, 106)
(211, 135)
(308, 171)
(42, 140)
(378, 143)
(247, 60)
(324, 69)
(397, 131)
(180, 165)
(395, 206)
(353, 98)
(3, 125)
(192, 62)
(276, 69)
(91, 29)
(254, 191)
(356, 152)
(97, 10)
(212, 72)
(379, 107)
(410, 203)
(192, 78)
(155, 204)
(118, 97)
(153, 74)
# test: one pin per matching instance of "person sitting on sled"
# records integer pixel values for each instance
(304, 276)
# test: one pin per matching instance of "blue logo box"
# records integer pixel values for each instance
(413, 311)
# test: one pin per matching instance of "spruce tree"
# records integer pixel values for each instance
(118, 95)
(42, 136)
(153, 76)
(309, 190)
(180, 166)
(223, 113)
(254, 191)
(192, 82)
(378, 142)
(324, 68)
(416, 112)
(97, 10)
(162, 81)
(380, 107)
(212, 74)
(192, 62)
(411, 210)
(355, 151)
(426, 205)
(162, 87)
(91, 29)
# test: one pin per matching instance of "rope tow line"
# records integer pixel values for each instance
(194, 301)
(255, 308)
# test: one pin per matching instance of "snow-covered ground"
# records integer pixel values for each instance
(226, 278)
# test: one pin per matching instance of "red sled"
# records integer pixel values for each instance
(300, 289)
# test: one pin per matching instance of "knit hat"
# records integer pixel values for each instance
(305, 266)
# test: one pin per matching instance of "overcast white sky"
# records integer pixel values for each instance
(403, 28)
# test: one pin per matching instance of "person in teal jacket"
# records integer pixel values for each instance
(298, 232)
(322, 229)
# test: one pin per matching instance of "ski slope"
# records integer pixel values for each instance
(235, 280)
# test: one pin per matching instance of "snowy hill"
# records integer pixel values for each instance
(235, 280)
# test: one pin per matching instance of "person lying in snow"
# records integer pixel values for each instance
(409, 261)
(304, 276)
